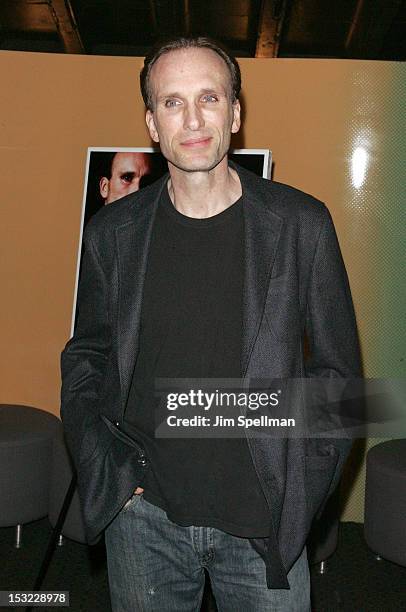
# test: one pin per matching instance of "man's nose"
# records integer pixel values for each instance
(193, 118)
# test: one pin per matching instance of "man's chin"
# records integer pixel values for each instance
(196, 165)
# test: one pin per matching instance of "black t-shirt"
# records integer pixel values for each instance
(191, 326)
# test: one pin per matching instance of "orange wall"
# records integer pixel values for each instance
(54, 106)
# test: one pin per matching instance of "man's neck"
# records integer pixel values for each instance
(204, 194)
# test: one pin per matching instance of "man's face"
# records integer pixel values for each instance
(193, 115)
(126, 172)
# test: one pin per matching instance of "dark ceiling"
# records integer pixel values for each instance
(360, 29)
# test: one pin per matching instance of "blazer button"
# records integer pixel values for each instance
(142, 460)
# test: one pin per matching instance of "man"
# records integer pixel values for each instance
(126, 172)
(211, 272)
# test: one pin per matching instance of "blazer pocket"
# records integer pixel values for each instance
(121, 435)
(319, 472)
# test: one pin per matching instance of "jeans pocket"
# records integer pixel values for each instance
(132, 502)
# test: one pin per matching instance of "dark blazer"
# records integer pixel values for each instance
(295, 283)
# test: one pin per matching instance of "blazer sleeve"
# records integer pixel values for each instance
(84, 359)
(331, 333)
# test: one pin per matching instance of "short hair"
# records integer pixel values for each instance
(199, 42)
(106, 164)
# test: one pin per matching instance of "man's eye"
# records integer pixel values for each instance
(210, 98)
(171, 103)
(128, 177)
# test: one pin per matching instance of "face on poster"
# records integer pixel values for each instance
(112, 173)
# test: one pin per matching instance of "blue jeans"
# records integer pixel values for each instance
(155, 565)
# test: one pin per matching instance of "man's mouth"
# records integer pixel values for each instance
(193, 143)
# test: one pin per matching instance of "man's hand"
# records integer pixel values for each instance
(138, 491)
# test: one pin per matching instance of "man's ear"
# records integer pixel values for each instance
(104, 187)
(149, 119)
(235, 126)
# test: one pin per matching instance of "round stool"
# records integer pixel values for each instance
(385, 500)
(26, 441)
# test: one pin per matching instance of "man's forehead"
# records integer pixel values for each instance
(179, 64)
(129, 161)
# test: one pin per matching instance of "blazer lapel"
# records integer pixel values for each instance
(133, 240)
(262, 232)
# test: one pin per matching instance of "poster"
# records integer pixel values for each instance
(112, 173)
